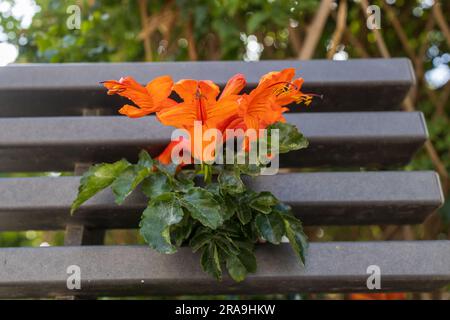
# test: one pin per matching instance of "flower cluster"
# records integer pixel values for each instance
(202, 102)
(218, 217)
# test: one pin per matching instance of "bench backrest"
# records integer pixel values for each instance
(58, 118)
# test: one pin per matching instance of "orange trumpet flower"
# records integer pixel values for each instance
(264, 105)
(151, 98)
(200, 103)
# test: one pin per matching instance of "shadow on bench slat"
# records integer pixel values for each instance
(333, 198)
(341, 139)
(67, 89)
(135, 270)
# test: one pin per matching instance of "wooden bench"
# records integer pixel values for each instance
(58, 118)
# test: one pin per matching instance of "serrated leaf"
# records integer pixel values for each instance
(230, 182)
(229, 207)
(226, 244)
(97, 178)
(289, 137)
(184, 180)
(227, 202)
(130, 178)
(270, 227)
(263, 202)
(156, 184)
(210, 261)
(169, 169)
(203, 207)
(240, 265)
(250, 169)
(145, 161)
(161, 213)
(127, 181)
(181, 231)
(244, 213)
(201, 238)
(297, 238)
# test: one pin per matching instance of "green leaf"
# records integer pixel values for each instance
(270, 227)
(239, 266)
(227, 203)
(230, 182)
(181, 231)
(155, 184)
(169, 169)
(145, 161)
(97, 178)
(184, 180)
(226, 244)
(244, 213)
(203, 207)
(127, 181)
(210, 261)
(297, 238)
(161, 213)
(263, 202)
(289, 137)
(201, 238)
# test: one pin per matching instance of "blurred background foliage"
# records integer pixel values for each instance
(180, 30)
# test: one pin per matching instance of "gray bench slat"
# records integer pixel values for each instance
(65, 89)
(343, 139)
(342, 198)
(138, 270)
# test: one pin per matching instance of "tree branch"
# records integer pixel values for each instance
(340, 28)
(314, 30)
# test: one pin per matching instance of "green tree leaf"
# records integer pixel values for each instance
(130, 178)
(230, 182)
(156, 184)
(201, 238)
(270, 227)
(97, 178)
(184, 180)
(289, 137)
(181, 231)
(127, 181)
(297, 238)
(210, 261)
(203, 207)
(226, 244)
(244, 213)
(240, 265)
(145, 161)
(161, 213)
(263, 202)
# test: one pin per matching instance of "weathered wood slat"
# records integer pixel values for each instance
(67, 89)
(343, 139)
(317, 198)
(135, 270)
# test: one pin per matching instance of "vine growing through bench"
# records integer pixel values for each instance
(217, 215)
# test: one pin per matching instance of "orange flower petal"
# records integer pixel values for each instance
(150, 99)
(181, 115)
(186, 89)
(127, 87)
(133, 112)
(234, 86)
(159, 88)
(222, 111)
